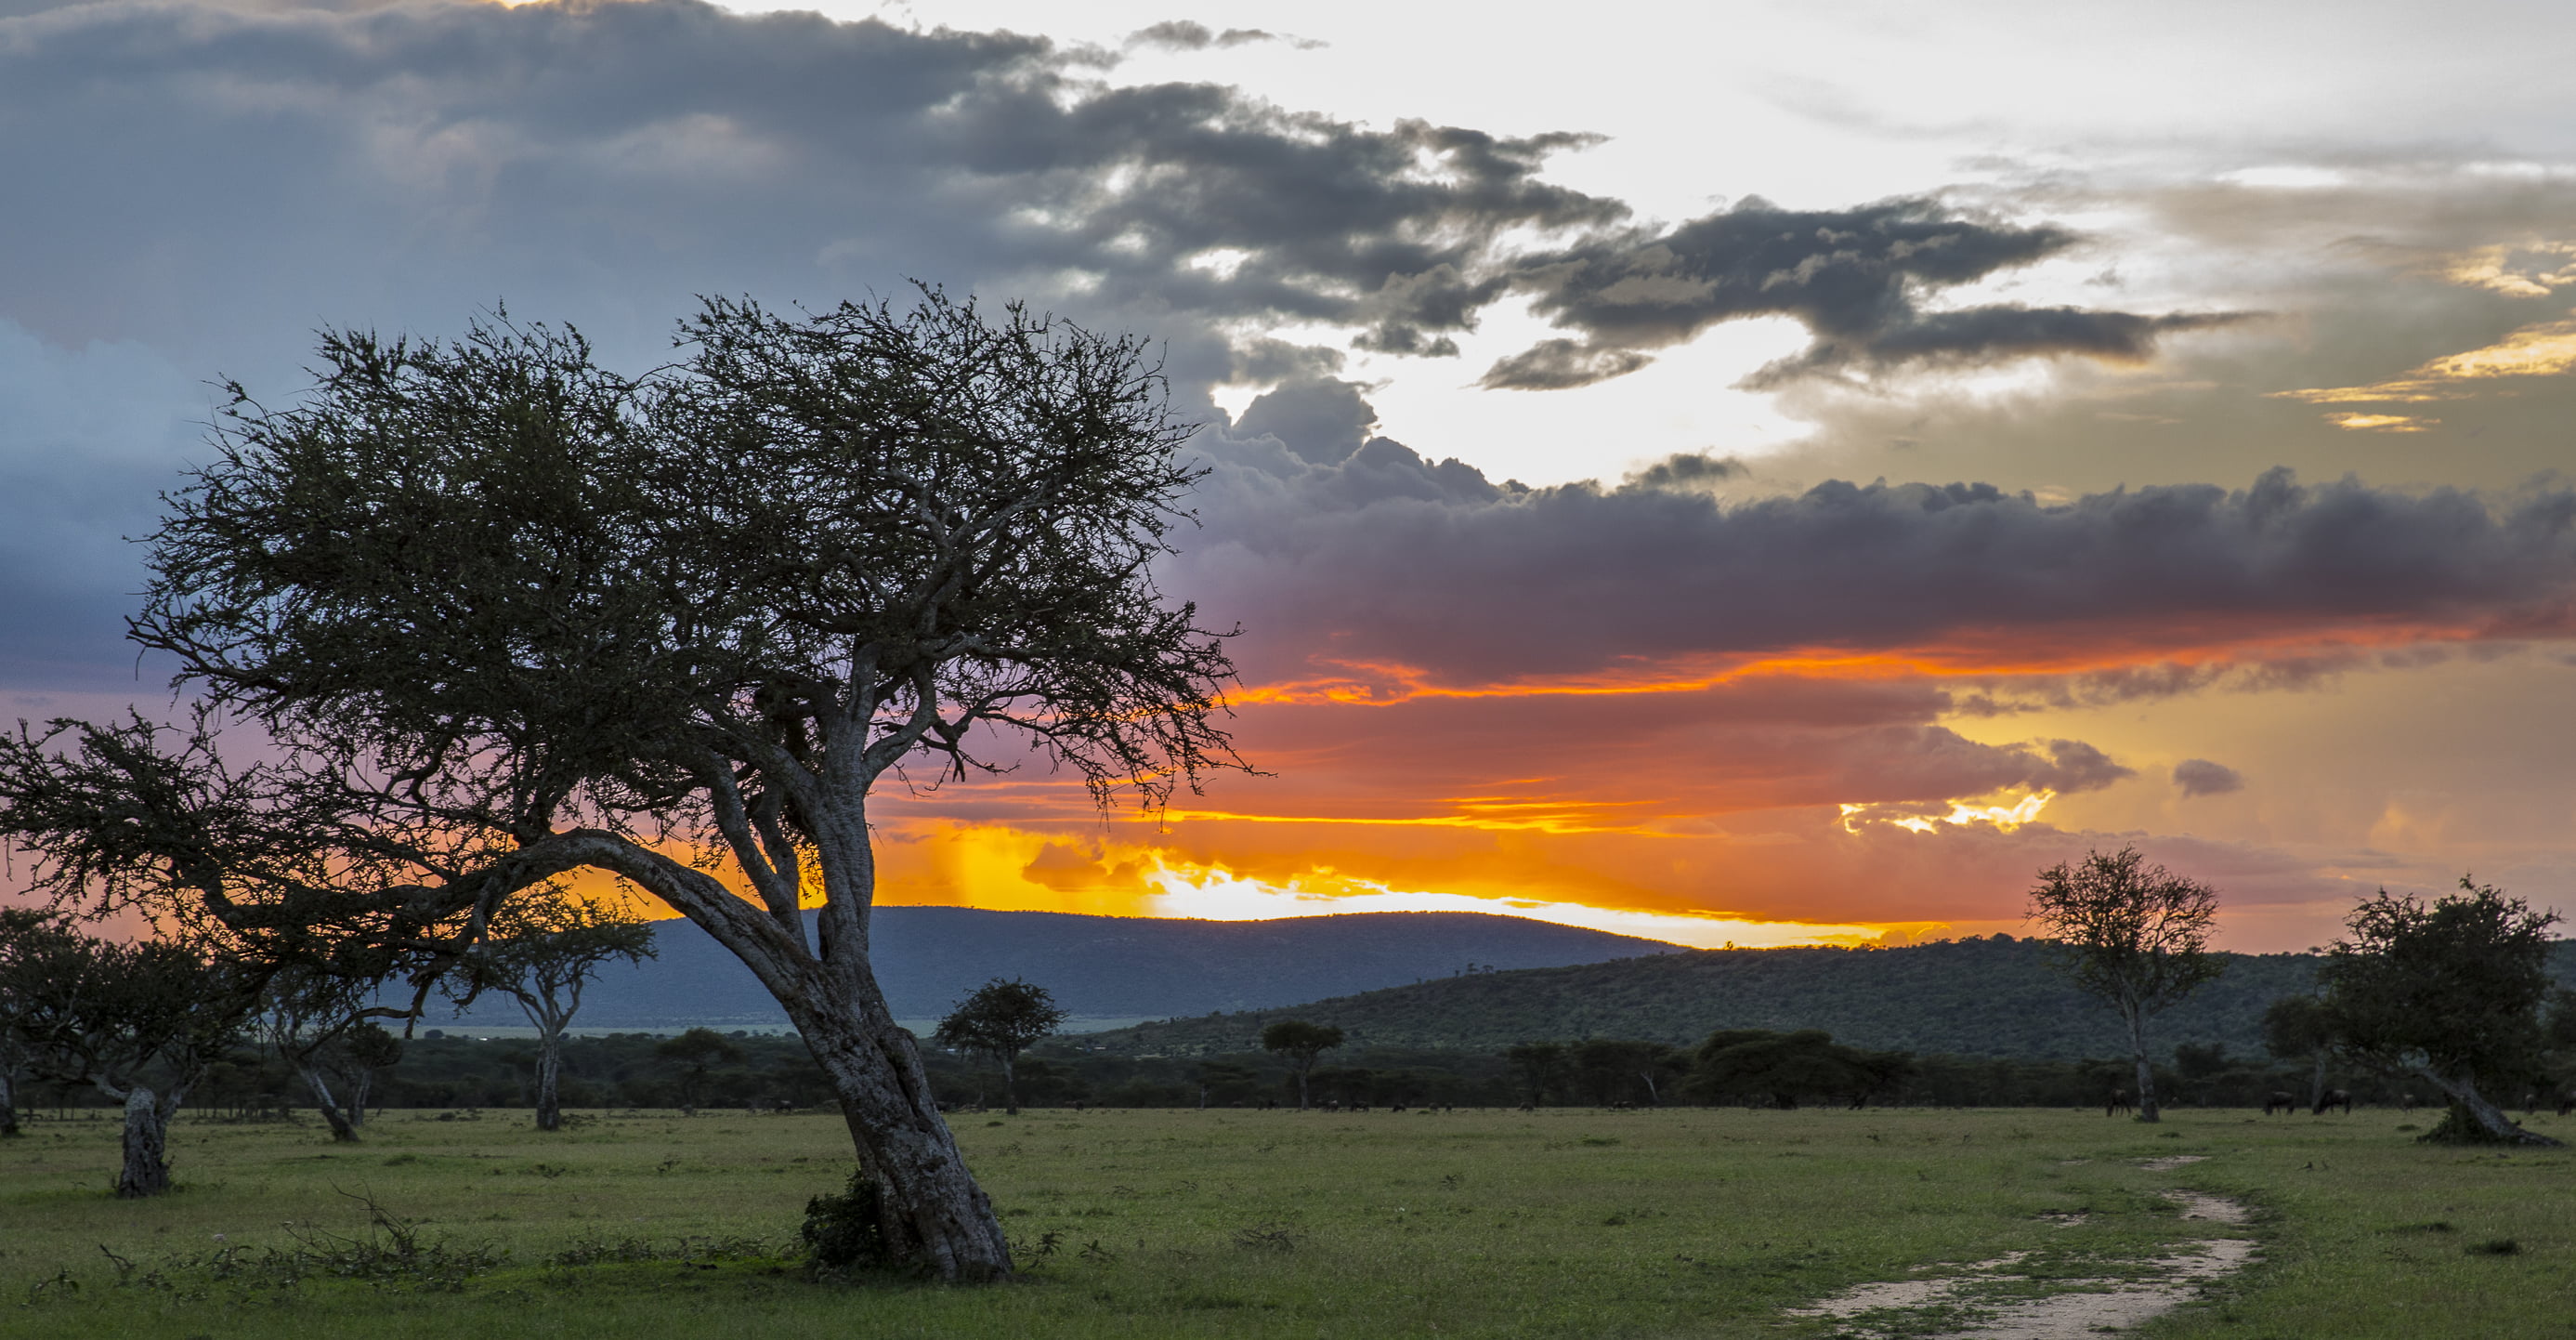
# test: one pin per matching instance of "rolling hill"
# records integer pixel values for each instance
(1097, 967)
(1977, 997)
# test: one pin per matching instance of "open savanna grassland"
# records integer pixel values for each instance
(1140, 1224)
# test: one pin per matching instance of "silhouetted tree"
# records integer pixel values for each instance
(1541, 1066)
(2300, 1028)
(699, 1051)
(18, 926)
(1610, 1068)
(1300, 1042)
(138, 1022)
(1215, 1076)
(498, 615)
(541, 951)
(1001, 1020)
(2134, 934)
(317, 1023)
(2452, 992)
(1739, 1063)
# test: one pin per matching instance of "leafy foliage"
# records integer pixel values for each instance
(2452, 990)
(1300, 1042)
(1740, 1063)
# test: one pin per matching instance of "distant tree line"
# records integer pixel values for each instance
(735, 1071)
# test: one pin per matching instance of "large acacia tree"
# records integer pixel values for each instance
(505, 616)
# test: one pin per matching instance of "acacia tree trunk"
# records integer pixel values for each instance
(146, 1170)
(930, 1211)
(320, 1087)
(9, 1103)
(2137, 1021)
(2471, 1110)
(2317, 1083)
(1011, 1086)
(549, 1073)
(359, 1082)
(932, 1215)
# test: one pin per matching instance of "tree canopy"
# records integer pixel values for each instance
(2450, 990)
(1301, 1042)
(1748, 1063)
(1001, 1019)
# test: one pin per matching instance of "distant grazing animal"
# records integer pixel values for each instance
(2333, 1098)
(2406, 1102)
(2121, 1100)
(2279, 1101)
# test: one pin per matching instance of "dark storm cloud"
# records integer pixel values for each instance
(1855, 278)
(208, 184)
(2200, 777)
(1689, 469)
(1380, 556)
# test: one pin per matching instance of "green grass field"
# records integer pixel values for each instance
(1139, 1224)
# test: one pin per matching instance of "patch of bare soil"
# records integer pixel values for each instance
(2168, 1164)
(1986, 1301)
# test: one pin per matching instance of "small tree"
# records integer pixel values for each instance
(699, 1051)
(1300, 1043)
(138, 1022)
(17, 995)
(1541, 1067)
(317, 1024)
(2134, 934)
(1612, 1067)
(2451, 992)
(1000, 1020)
(1743, 1063)
(2300, 1028)
(543, 950)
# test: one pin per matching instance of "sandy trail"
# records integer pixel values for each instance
(1989, 1302)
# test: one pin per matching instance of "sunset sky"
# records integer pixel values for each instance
(1755, 473)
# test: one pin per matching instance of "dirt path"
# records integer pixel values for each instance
(1987, 1301)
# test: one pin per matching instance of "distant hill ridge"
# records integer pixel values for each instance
(1977, 997)
(1097, 967)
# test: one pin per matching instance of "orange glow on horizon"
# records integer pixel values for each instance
(2068, 650)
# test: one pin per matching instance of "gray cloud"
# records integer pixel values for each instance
(2200, 777)
(206, 185)
(1382, 556)
(1689, 469)
(1856, 278)
(1188, 35)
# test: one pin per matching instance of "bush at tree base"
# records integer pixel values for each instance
(842, 1233)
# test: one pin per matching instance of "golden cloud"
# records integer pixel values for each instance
(2544, 350)
(2519, 270)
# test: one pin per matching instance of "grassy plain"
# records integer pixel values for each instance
(1136, 1225)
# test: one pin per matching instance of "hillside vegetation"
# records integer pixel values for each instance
(927, 958)
(1976, 997)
